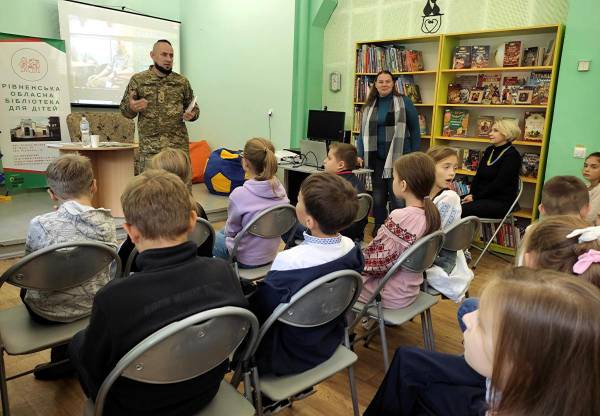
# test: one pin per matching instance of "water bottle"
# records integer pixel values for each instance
(84, 126)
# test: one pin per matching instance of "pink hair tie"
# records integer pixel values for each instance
(586, 260)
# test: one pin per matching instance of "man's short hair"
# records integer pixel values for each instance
(346, 153)
(158, 203)
(330, 200)
(70, 176)
(161, 41)
(564, 195)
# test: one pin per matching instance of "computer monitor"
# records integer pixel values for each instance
(326, 125)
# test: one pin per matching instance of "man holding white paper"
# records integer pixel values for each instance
(162, 100)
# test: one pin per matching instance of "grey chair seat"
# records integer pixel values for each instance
(228, 401)
(279, 388)
(399, 316)
(255, 273)
(21, 335)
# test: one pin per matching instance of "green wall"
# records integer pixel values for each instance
(577, 99)
(360, 20)
(238, 56)
(311, 19)
(40, 17)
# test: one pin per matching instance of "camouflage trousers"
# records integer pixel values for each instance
(150, 146)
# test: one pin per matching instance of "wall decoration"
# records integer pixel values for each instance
(432, 17)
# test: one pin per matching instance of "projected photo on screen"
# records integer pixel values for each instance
(105, 47)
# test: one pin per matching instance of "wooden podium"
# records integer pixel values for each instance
(113, 168)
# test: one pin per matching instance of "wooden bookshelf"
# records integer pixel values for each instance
(486, 140)
(430, 46)
(497, 69)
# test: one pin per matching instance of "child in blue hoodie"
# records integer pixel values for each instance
(326, 204)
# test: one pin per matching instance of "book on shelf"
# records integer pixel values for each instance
(539, 81)
(549, 53)
(467, 83)
(413, 92)
(453, 93)
(362, 85)
(393, 58)
(534, 124)
(480, 56)
(422, 124)
(524, 95)
(357, 120)
(461, 186)
(530, 164)
(456, 123)
(414, 61)
(510, 89)
(462, 57)
(513, 51)
(476, 95)
(490, 83)
(473, 159)
(484, 125)
(532, 57)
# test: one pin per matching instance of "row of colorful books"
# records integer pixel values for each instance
(393, 58)
(461, 186)
(514, 54)
(505, 236)
(496, 89)
(456, 124)
(469, 159)
(404, 84)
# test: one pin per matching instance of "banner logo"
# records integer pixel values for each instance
(29, 64)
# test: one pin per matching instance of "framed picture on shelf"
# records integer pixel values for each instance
(476, 96)
(524, 96)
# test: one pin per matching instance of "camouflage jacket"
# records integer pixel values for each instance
(161, 124)
(72, 222)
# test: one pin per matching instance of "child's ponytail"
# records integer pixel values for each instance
(418, 170)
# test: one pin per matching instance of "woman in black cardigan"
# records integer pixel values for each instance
(496, 183)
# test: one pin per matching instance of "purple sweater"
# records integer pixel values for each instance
(244, 203)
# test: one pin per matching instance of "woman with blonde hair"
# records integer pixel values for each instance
(495, 185)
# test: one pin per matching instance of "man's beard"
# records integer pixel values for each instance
(162, 69)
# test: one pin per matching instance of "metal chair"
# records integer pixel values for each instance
(270, 223)
(418, 258)
(187, 349)
(57, 267)
(321, 301)
(203, 230)
(365, 203)
(456, 237)
(510, 218)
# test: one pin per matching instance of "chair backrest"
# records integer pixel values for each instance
(417, 258)
(202, 232)
(365, 202)
(62, 266)
(460, 235)
(185, 349)
(110, 126)
(272, 222)
(319, 302)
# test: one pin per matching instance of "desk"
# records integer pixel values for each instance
(113, 168)
(294, 175)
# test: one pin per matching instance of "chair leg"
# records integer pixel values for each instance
(424, 330)
(257, 394)
(247, 387)
(430, 330)
(384, 350)
(3, 387)
(353, 392)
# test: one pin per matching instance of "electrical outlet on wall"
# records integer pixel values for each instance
(579, 152)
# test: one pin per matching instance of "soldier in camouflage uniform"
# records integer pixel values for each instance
(159, 97)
